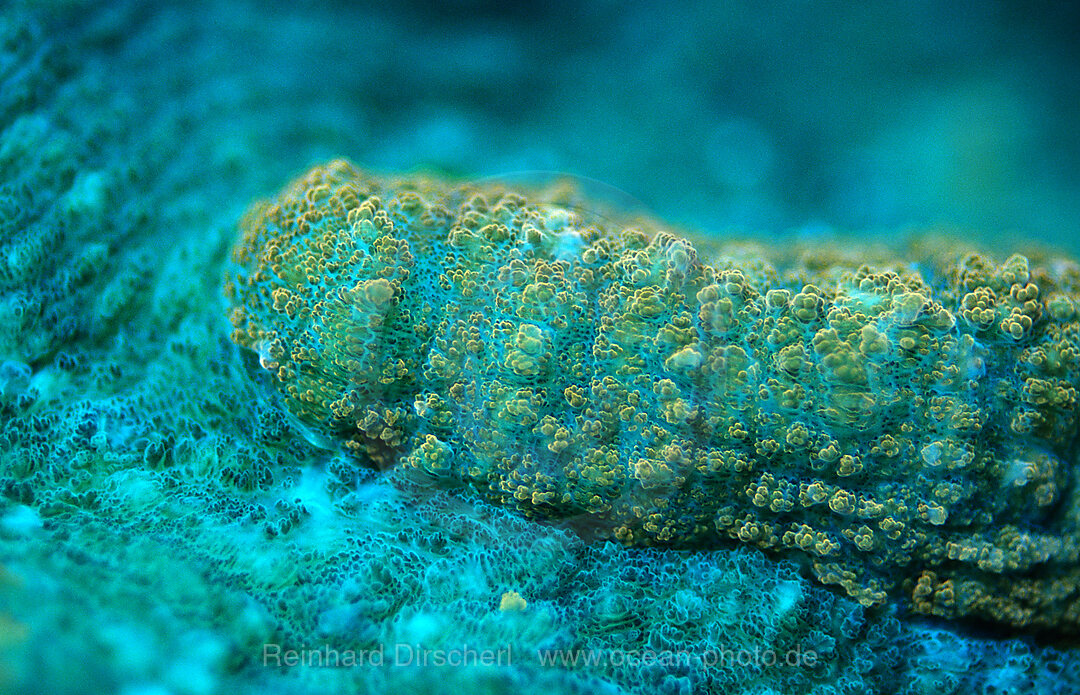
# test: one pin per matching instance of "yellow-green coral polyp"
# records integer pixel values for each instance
(904, 426)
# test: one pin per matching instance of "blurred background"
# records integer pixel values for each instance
(765, 116)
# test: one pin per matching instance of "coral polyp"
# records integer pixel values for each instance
(903, 425)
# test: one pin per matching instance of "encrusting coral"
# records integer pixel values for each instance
(904, 427)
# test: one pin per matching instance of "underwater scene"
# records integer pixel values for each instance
(574, 347)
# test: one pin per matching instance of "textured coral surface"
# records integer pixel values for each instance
(902, 424)
(163, 519)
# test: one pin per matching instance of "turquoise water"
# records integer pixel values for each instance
(166, 528)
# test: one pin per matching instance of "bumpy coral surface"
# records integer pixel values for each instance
(905, 428)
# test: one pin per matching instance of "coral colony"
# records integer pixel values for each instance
(445, 435)
(897, 426)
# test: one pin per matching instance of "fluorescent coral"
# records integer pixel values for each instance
(904, 428)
